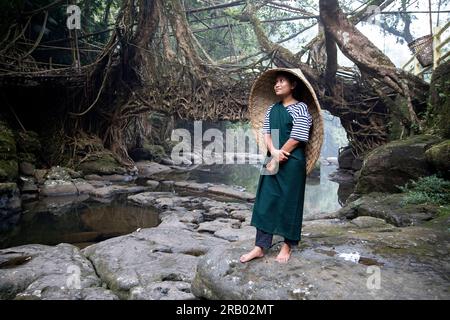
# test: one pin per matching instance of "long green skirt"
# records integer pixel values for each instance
(279, 201)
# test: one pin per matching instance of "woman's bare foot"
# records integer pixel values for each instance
(285, 254)
(257, 252)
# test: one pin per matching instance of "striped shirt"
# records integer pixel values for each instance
(301, 124)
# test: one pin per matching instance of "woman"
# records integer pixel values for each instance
(279, 199)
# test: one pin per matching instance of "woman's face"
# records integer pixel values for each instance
(283, 87)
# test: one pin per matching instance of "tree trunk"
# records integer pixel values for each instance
(369, 59)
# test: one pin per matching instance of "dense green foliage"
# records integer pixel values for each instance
(427, 190)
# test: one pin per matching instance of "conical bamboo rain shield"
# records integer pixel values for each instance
(262, 96)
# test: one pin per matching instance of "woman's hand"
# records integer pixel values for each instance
(280, 155)
(271, 166)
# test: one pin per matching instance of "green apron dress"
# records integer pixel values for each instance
(278, 207)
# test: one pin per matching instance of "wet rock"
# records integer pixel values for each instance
(117, 178)
(44, 272)
(101, 163)
(336, 265)
(346, 157)
(234, 234)
(385, 168)
(370, 222)
(109, 191)
(152, 184)
(438, 104)
(183, 215)
(389, 207)
(227, 206)
(148, 198)
(94, 177)
(147, 169)
(216, 213)
(167, 161)
(168, 183)
(163, 290)
(83, 187)
(134, 264)
(39, 175)
(58, 173)
(240, 214)
(55, 188)
(164, 200)
(321, 215)
(192, 185)
(231, 192)
(28, 185)
(218, 224)
(439, 158)
(148, 152)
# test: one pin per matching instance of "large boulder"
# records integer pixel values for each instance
(394, 164)
(41, 272)
(156, 263)
(438, 111)
(439, 157)
(335, 260)
(148, 152)
(390, 207)
(101, 163)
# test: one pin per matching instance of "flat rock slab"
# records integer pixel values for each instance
(46, 272)
(410, 263)
(147, 169)
(134, 265)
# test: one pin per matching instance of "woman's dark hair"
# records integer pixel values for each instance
(297, 92)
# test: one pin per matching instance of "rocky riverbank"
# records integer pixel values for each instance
(193, 253)
(375, 247)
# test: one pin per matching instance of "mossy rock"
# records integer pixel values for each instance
(148, 152)
(8, 188)
(390, 208)
(101, 163)
(439, 157)
(395, 163)
(156, 151)
(438, 111)
(442, 220)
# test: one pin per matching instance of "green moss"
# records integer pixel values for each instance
(101, 163)
(439, 158)
(7, 188)
(9, 170)
(442, 220)
(157, 152)
(427, 190)
(438, 107)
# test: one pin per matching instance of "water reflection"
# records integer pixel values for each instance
(82, 224)
(321, 195)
